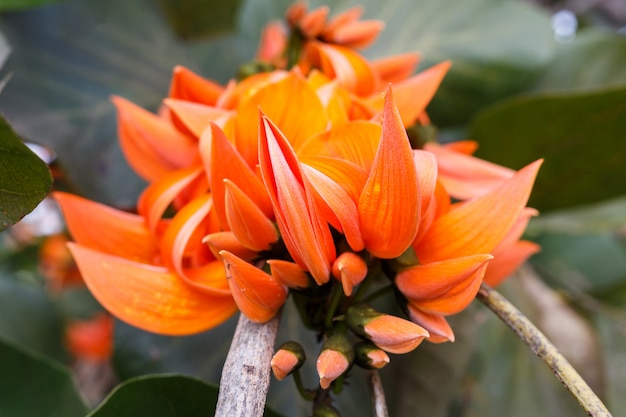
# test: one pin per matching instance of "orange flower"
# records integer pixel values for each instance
(92, 339)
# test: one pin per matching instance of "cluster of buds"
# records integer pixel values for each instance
(300, 181)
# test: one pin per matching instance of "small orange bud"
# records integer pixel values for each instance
(369, 356)
(289, 357)
(288, 273)
(330, 365)
(350, 269)
(312, 24)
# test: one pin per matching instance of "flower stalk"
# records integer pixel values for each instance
(378, 394)
(544, 349)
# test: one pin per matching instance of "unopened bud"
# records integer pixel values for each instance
(336, 357)
(369, 356)
(289, 357)
(390, 333)
(350, 269)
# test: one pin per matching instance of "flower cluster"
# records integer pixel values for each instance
(301, 181)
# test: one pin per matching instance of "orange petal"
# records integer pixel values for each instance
(396, 68)
(445, 287)
(395, 335)
(106, 229)
(389, 204)
(467, 147)
(189, 86)
(246, 220)
(91, 340)
(350, 269)
(465, 176)
(348, 175)
(340, 204)
(357, 34)
(351, 69)
(273, 42)
(283, 363)
(414, 94)
(194, 116)
(151, 145)
(480, 224)
(437, 325)
(507, 259)
(306, 236)
(330, 365)
(257, 294)
(426, 167)
(295, 12)
(347, 16)
(336, 102)
(227, 163)
(160, 194)
(288, 273)
(220, 241)
(151, 298)
(313, 22)
(282, 102)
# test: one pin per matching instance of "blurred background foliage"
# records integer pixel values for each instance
(529, 80)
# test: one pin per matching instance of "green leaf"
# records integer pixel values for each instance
(24, 178)
(7, 5)
(580, 135)
(29, 317)
(496, 46)
(162, 396)
(32, 385)
(200, 18)
(594, 59)
(70, 57)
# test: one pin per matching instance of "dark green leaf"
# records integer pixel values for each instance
(23, 4)
(24, 178)
(593, 59)
(33, 386)
(29, 317)
(162, 396)
(199, 18)
(580, 135)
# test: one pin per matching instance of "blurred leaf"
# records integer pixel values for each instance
(594, 59)
(24, 178)
(70, 57)
(162, 396)
(28, 317)
(200, 18)
(580, 135)
(606, 216)
(32, 385)
(506, 378)
(496, 46)
(5, 50)
(6, 5)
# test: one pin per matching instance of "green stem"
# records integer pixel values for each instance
(335, 297)
(304, 393)
(543, 348)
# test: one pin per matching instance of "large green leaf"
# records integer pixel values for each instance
(199, 18)
(496, 46)
(162, 396)
(594, 59)
(580, 135)
(33, 386)
(70, 57)
(29, 317)
(24, 178)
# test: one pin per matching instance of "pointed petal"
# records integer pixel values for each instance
(273, 42)
(358, 34)
(330, 365)
(389, 204)
(282, 102)
(288, 273)
(445, 287)
(246, 220)
(151, 145)
(106, 229)
(480, 224)
(437, 325)
(194, 116)
(220, 241)
(465, 176)
(426, 167)
(313, 22)
(256, 293)
(348, 175)
(227, 163)
(350, 269)
(508, 259)
(396, 68)
(394, 334)
(189, 86)
(306, 236)
(149, 297)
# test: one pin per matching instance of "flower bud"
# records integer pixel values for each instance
(390, 333)
(369, 356)
(289, 357)
(336, 357)
(350, 269)
(325, 410)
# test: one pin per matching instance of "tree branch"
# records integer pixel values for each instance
(246, 373)
(378, 395)
(543, 348)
